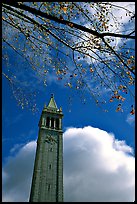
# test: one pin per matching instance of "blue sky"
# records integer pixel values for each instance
(20, 126)
(19, 122)
(20, 130)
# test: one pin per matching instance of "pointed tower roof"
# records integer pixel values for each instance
(52, 104)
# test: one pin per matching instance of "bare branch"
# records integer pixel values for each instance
(65, 22)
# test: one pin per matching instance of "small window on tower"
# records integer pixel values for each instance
(49, 187)
(51, 149)
(50, 166)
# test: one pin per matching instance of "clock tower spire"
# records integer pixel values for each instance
(47, 181)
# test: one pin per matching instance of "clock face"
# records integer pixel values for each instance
(50, 139)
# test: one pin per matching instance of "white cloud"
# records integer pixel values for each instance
(130, 119)
(97, 167)
(118, 14)
(17, 173)
(15, 148)
(121, 146)
(121, 13)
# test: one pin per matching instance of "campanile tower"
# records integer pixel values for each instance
(47, 181)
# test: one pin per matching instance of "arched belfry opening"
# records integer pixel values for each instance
(57, 123)
(52, 123)
(47, 122)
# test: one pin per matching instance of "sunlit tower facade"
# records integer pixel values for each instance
(47, 181)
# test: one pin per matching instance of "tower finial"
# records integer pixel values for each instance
(45, 106)
(52, 104)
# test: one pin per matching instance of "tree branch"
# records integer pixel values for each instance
(39, 26)
(65, 22)
(118, 56)
(118, 35)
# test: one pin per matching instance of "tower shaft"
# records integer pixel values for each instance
(47, 181)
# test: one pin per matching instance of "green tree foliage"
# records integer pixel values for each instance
(87, 47)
